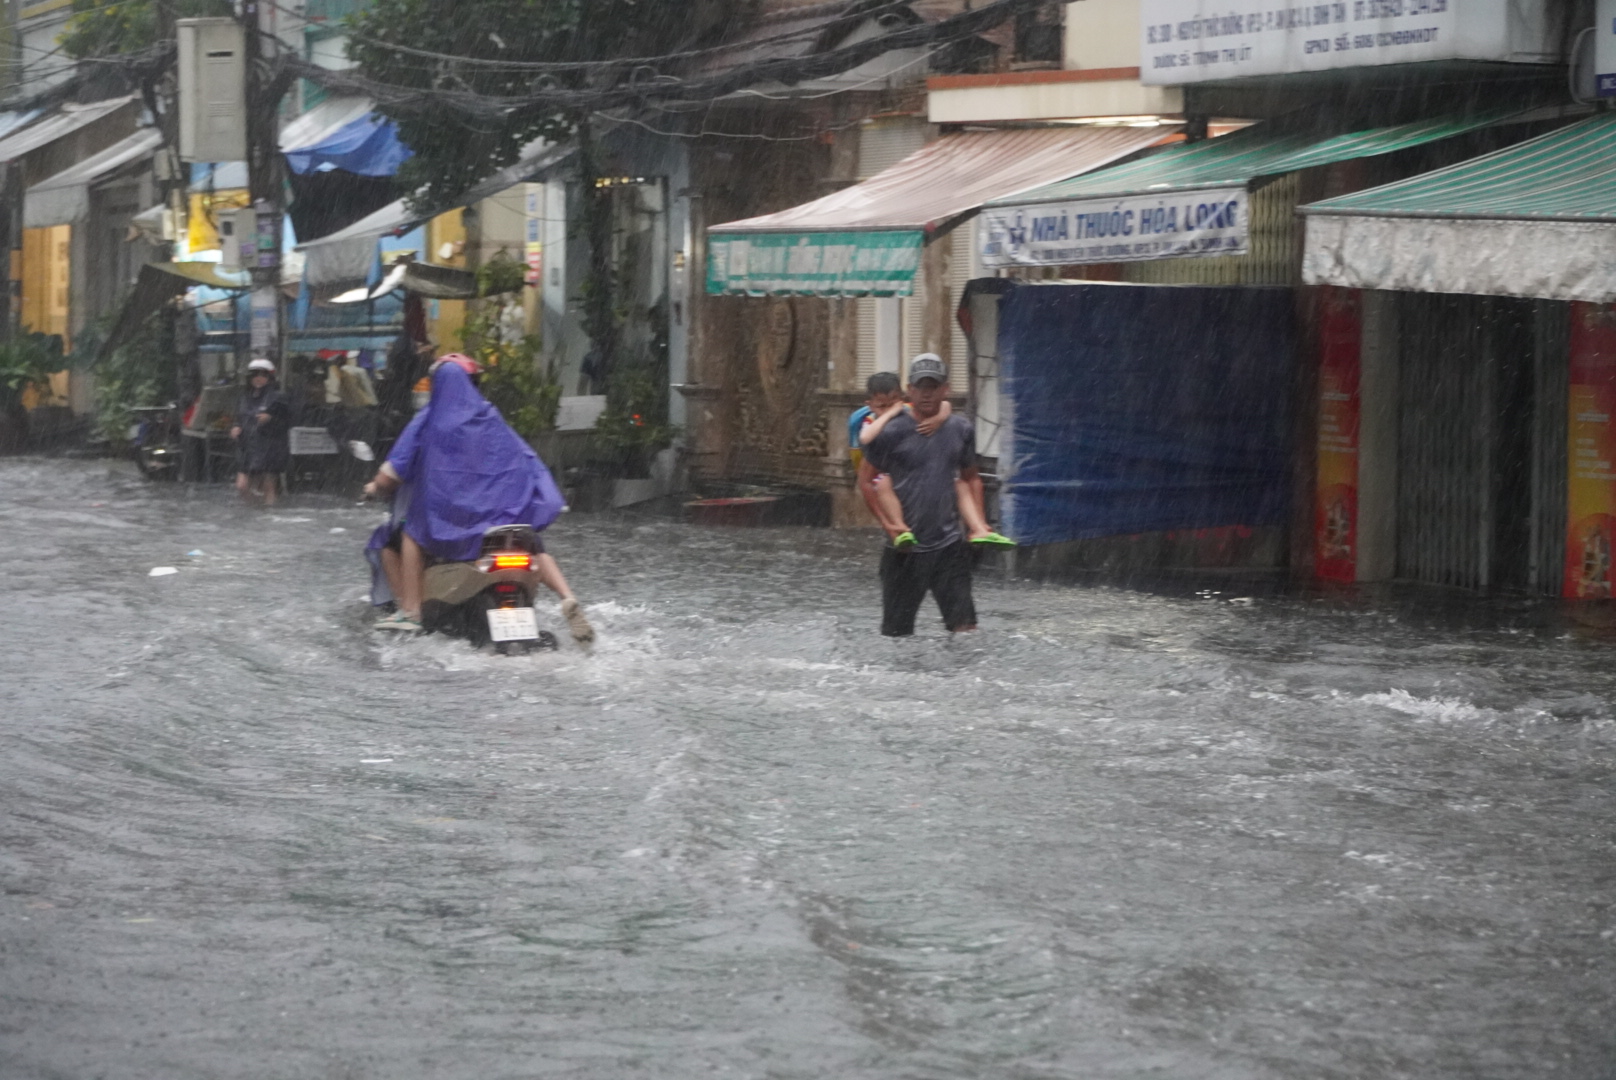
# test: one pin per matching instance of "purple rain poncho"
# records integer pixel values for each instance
(464, 471)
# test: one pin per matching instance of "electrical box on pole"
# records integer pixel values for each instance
(238, 238)
(212, 89)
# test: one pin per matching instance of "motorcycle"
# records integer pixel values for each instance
(155, 441)
(489, 600)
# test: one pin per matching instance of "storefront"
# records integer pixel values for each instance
(1218, 214)
(860, 280)
(1477, 358)
(868, 240)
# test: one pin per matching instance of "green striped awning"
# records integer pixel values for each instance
(1235, 160)
(1566, 175)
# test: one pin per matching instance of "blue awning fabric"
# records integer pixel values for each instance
(368, 146)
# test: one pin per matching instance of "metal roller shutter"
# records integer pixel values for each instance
(1444, 512)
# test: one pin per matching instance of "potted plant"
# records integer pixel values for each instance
(631, 429)
(26, 361)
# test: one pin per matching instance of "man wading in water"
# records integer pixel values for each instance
(923, 470)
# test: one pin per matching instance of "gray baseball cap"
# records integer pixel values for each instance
(928, 365)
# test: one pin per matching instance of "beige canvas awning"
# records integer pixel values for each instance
(65, 197)
(46, 131)
(866, 239)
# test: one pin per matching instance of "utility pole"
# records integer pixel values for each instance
(10, 201)
(264, 181)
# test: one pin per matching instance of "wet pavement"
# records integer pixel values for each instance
(1119, 833)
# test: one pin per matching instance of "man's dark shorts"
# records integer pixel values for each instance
(906, 578)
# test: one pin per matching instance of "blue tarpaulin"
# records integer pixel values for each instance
(367, 146)
(1145, 408)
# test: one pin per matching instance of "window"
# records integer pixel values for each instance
(1038, 36)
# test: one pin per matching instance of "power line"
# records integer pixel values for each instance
(557, 66)
(141, 65)
(747, 135)
(398, 100)
(846, 89)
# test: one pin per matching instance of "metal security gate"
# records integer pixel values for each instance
(1551, 406)
(1444, 443)
(1473, 492)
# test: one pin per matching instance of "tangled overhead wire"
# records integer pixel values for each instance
(115, 73)
(639, 81)
(849, 15)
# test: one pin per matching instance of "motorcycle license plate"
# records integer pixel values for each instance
(512, 624)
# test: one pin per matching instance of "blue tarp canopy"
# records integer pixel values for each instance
(368, 146)
(1145, 408)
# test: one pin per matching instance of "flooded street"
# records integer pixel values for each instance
(1119, 833)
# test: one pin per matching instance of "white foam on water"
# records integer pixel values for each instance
(1434, 710)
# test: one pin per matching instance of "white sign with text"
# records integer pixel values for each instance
(1132, 228)
(1186, 41)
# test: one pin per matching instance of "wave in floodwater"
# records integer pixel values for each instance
(1118, 832)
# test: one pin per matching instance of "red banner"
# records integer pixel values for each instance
(1335, 509)
(1591, 446)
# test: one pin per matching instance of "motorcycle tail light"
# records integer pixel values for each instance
(506, 561)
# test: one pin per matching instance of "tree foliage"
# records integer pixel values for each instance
(526, 390)
(143, 371)
(110, 27)
(450, 155)
(25, 360)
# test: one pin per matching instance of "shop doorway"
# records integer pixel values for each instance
(1481, 441)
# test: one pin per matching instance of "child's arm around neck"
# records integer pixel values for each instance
(876, 426)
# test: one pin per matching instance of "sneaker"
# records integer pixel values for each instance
(573, 612)
(904, 541)
(397, 621)
(993, 539)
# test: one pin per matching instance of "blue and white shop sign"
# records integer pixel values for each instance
(1129, 228)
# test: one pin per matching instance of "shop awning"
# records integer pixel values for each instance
(423, 279)
(1536, 219)
(65, 197)
(347, 255)
(866, 239)
(46, 131)
(11, 121)
(367, 145)
(1187, 200)
(202, 273)
(325, 119)
(156, 285)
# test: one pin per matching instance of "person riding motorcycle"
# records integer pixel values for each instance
(456, 471)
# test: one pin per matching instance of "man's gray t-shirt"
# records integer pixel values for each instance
(923, 469)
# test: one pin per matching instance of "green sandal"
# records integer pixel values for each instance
(904, 541)
(993, 539)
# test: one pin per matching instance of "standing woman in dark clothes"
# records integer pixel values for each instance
(262, 434)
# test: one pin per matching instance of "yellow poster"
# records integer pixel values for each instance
(202, 226)
(1591, 479)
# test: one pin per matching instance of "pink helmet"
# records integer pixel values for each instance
(462, 361)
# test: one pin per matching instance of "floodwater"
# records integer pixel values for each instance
(1118, 833)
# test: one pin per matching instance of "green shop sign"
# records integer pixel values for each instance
(814, 264)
